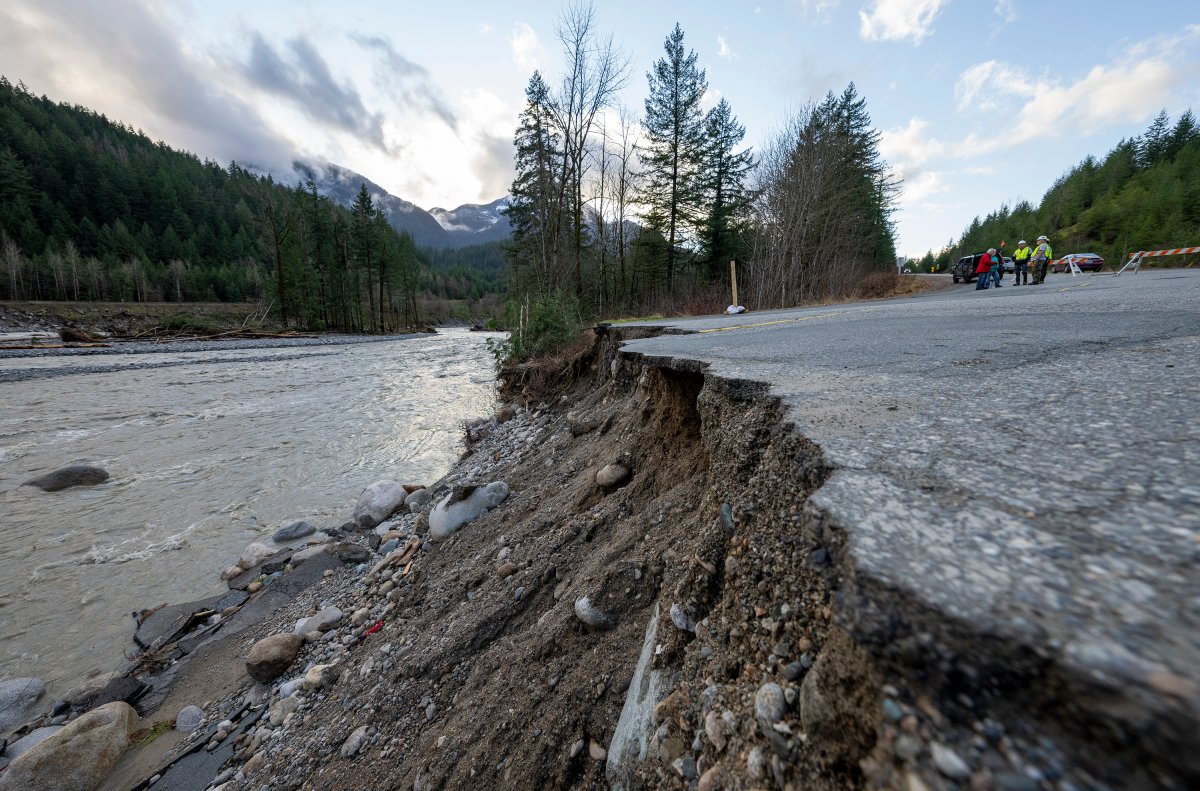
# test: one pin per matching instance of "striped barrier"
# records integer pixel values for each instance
(1135, 259)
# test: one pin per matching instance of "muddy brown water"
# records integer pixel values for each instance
(208, 451)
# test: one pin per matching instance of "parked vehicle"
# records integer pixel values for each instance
(1088, 262)
(963, 270)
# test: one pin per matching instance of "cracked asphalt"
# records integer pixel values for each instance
(1022, 463)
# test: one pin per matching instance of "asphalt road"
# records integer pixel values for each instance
(1019, 465)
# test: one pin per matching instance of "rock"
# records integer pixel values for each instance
(815, 714)
(280, 709)
(612, 475)
(292, 532)
(418, 500)
(596, 752)
(579, 424)
(360, 616)
(718, 728)
(630, 741)
(349, 552)
(948, 762)
(710, 780)
(82, 695)
(255, 764)
(681, 619)
(307, 554)
(506, 570)
(273, 655)
(354, 742)
(463, 505)
(231, 572)
(74, 475)
(289, 688)
(391, 546)
(590, 615)
(320, 677)
(254, 554)
(254, 587)
(29, 741)
(576, 748)
(377, 502)
(17, 697)
(189, 718)
(78, 757)
(769, 703)
(123, 688)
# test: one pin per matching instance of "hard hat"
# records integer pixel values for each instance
(1043, 238)
(1021, 242)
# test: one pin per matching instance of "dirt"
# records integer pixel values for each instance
(492, 687)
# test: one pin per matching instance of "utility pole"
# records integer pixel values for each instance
(733, 280)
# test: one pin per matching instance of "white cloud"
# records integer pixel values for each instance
(526, 48)
(907, 149)
(1006, 10)
(724, 50)
(897, 20)
(819, 7)
(1133, 88)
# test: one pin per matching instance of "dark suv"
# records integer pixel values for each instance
(964, 269)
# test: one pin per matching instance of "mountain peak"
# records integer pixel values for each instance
(466, 225)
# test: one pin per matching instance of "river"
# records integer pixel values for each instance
(208, 450)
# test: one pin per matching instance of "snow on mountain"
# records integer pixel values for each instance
(485, 222)
(468, 224)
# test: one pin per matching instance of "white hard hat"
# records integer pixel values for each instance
(1043, 238)
(1021, 242)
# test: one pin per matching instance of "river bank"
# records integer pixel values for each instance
(655, 604)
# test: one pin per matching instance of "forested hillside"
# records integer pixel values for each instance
(91, 209)
(1143, 195)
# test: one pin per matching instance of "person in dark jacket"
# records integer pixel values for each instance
(989, 263)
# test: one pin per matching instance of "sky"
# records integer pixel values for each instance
(979, 102)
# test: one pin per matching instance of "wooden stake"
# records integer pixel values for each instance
(733, 280)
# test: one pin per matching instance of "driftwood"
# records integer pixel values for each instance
(35, 346)
(75, 335)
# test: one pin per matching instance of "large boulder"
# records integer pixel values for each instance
(378, 501)
(271, 656)
(254, 554)
(74, 475)
(323, 621)
(78, 757)
(17, 697)
(292, 532)
(462, 505)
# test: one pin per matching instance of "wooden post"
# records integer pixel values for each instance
(733, 280)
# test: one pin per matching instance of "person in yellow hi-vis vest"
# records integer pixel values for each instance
(1021, 263)
(1042, 255)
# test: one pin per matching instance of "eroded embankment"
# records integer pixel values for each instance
(720, 654)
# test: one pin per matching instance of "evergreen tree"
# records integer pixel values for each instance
(535, 210)
(675, 145)
(724, 181)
